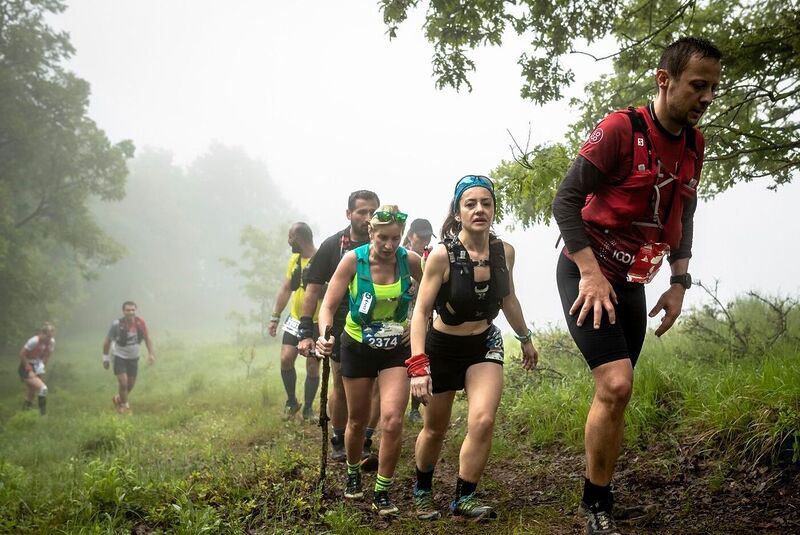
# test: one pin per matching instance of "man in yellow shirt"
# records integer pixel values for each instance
(301, 240)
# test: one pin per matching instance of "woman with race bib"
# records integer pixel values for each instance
(377, 279)
(468, 280)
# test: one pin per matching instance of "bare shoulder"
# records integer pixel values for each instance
(508, 249)
(437, 259)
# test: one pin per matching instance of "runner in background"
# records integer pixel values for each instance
(34, 356)
(301, 241)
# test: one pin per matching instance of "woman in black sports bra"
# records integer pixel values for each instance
(467, 280)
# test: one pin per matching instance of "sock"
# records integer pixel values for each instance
(289, 380)
(414, 404)
(424, 480)
(338, 431)
(353, 468)
(383, 483)
(312, 383)
(370, 432)
(42, 404)
(464, 488)
(596, 495)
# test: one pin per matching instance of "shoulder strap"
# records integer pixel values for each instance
(691, 139)
(362, 285)
(641, 140)
(403, 302)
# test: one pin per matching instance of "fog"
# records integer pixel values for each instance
(264, 113)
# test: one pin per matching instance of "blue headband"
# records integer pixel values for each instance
(471, 181)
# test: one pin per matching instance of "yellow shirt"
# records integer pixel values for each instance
(299, 294)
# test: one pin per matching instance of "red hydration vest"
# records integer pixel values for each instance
(638, 199)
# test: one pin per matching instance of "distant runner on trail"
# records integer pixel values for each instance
(361, 205)
(301, 240)
(123, 341)
(467, 279)
(418, 238)
(628, 201)
(34, 356)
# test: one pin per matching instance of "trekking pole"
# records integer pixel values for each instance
(323, 415)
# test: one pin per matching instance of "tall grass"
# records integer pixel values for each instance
(742, 408)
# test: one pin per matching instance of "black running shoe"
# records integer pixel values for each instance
(338, 452)
(382, 505)
(352, 489)
(599, 521)
(369, 460)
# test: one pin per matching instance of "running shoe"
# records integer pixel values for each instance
(352, 489)
(382, 505)
(627, 513)
(424, 506)
(369, 460)
(599, 521)
(291, 409)
(470, 508)
(338, 453)
(414, 417)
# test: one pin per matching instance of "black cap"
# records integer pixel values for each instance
(421, 227)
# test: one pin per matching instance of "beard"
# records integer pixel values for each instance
(296, 248)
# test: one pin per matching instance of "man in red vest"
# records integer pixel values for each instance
(627, 202)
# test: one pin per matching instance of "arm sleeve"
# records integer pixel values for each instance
(687, 220)
(582, 179)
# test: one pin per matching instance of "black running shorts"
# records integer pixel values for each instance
(622, 340)
(360, 360)
(126, 366)
(451, 355)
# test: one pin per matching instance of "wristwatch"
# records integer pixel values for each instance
(684, 280)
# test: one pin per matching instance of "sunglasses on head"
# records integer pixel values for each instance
(385, 217)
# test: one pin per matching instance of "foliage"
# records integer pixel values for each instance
(747, 326)
(53, 161)
(176, 223)
(261, 269)
(751, 129)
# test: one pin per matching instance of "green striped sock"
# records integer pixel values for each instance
(353, 468)
(382, 483)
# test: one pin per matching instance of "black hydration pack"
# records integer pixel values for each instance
(457, 300)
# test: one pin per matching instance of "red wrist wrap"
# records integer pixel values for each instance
(418, 365)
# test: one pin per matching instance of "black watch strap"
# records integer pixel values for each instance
(684, 280)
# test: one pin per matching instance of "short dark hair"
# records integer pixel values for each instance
(363, 194)
(128, 303)
(676, 56)
(303, 232)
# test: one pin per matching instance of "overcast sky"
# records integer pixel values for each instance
(316, 90)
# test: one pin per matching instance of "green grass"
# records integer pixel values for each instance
(746, 409)
(206, 449)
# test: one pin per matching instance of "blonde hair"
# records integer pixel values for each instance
(392, 209)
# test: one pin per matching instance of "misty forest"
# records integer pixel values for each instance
(206, 444)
